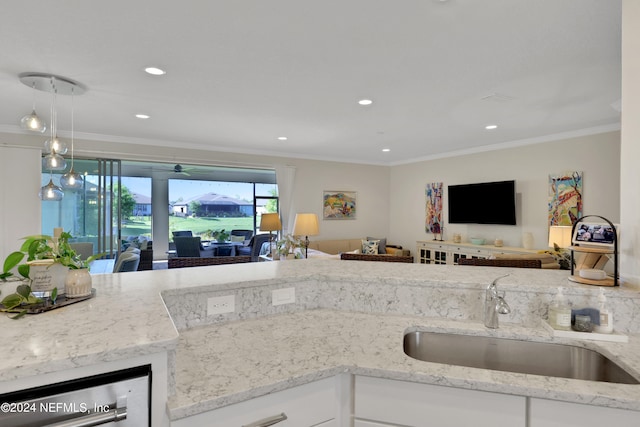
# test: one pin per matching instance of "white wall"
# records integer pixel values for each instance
(597, 156)
(20, 213)
(630, 145)
(371, 183)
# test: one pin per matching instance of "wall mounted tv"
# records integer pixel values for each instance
(483, 203)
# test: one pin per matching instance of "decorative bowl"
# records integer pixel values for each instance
(476, 241)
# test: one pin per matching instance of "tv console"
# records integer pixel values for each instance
(447, 252)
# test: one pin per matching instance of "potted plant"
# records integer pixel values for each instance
(288, 245)
(221, 236)
(45, 262)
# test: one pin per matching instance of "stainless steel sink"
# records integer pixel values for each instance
(527, 357)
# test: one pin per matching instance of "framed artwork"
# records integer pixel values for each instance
(433, 195)
(339, 205)
(565, 198)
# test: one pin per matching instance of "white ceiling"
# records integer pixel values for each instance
(242, 73)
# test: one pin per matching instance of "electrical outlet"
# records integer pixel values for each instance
(220, 305)
(283, 296)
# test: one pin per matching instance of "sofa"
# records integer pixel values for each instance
(339, 246)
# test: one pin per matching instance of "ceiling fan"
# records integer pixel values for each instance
(177, 169)
(181, 170)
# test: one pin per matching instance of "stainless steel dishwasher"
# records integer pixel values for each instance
(120, 398)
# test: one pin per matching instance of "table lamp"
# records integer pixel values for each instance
(560, 235)
(270, 222)
(306, 224)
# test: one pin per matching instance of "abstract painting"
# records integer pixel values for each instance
(565, 198)
(339, 205)
(433, 193)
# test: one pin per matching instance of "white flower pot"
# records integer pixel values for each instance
(78, 283)
(45, 275)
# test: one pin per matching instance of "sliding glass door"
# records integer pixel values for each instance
(93, 213)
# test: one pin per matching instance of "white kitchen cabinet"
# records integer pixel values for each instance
(381, 402)
(310, 405)
(436, 252)
(551, 413)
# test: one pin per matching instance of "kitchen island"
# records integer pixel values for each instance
(348, 319)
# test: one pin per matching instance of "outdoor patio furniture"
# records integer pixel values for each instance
(199, 262)
(187, 246)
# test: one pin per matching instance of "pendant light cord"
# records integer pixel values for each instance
(72, 111)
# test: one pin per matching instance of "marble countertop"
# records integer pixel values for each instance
(228, 363)
(261, 348)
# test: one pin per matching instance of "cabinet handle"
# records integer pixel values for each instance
(94, 419)
(269, 421)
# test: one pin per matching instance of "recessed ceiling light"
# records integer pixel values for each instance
(491, 127)
(155, 71)
(386, 150)
(282, 138)
(142, 116)
(365, 102)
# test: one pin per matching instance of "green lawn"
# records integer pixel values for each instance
(136, 226)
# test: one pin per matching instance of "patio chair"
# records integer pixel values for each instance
(246, 234)
(127, 261)
(187, 246)
(183, 233)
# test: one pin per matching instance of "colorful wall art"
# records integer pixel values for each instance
(565, 198)
(339, 205)
(433, 193)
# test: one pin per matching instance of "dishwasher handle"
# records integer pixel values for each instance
(95, 419)
(269, 421)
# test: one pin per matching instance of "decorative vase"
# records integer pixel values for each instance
(45, 275)
(78, 283)
(527, 240)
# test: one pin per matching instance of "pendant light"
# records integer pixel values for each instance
(71, 180)
(54, 143)
(53, 161)
(31, 121)
(51, 192)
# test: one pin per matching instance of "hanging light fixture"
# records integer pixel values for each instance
(71, 180)
(51, 192)
(54, 147)
(31, 121)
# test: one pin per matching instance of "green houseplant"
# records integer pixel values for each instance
(287, 245)
(39, 249)
(219, 236)
(43, 247)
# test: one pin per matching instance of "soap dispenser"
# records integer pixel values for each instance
(606, 317)
(560, 313)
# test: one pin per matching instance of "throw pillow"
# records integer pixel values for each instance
(237, 238)
(370, 247)
(382, 246)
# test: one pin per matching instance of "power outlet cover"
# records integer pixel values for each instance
(283, 296)
(221, 305)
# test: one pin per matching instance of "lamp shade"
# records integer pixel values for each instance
(270, 222)
(560, 235)
(306, 224)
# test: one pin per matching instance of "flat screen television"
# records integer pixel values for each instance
(483, 203)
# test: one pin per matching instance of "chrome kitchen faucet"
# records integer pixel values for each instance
(494, 304)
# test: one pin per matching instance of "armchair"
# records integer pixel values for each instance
(254, 246)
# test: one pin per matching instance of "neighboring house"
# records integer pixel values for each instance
(213, 204)
(179, 209)
(143, 205)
